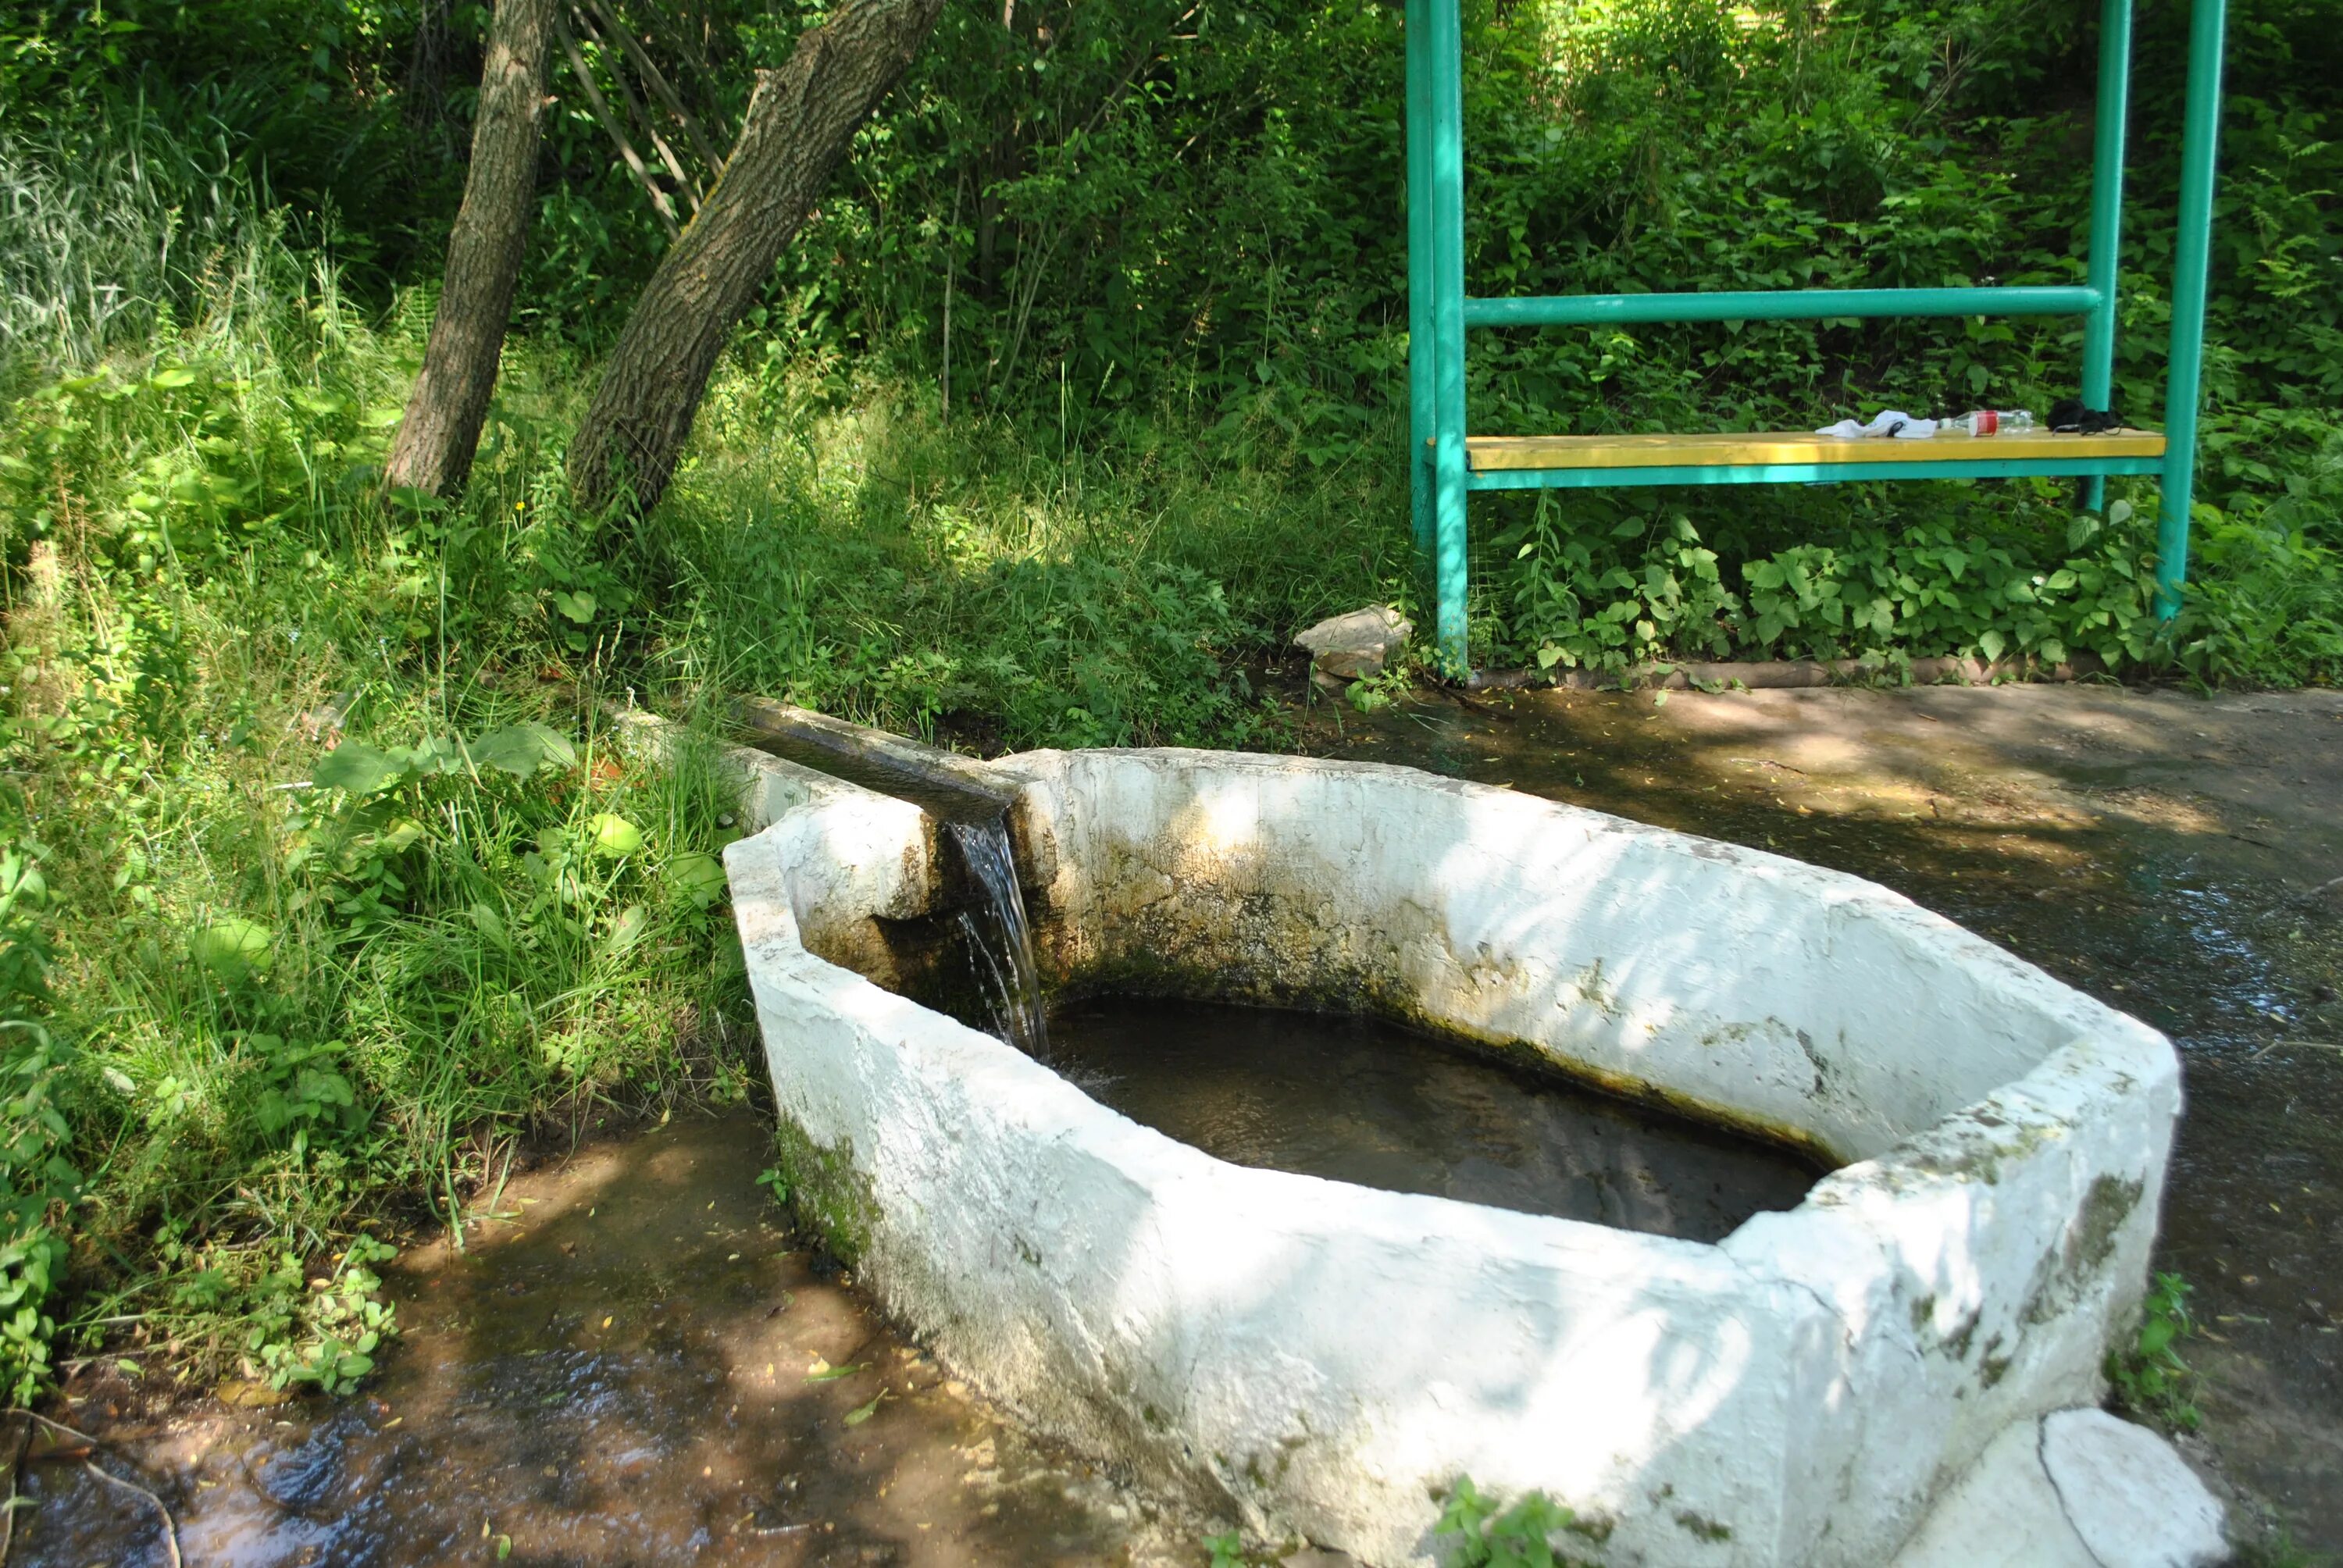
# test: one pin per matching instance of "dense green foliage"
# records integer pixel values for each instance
(263, 996)
(269, 992)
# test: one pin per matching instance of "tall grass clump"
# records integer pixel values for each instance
(110, 231)
(877, 562)
(321, 879)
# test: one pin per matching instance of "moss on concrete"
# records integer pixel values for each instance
(826, 1195)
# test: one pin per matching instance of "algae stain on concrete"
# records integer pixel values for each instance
(826, 1195)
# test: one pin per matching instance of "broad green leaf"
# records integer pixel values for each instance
(172, 376)
(232, 948)
(861, 1414)
(434, 754)
(626, 929)
(614, 837)
(491, 925)
(579, 606)
(521, 749)
(699, 878)
(360, 768)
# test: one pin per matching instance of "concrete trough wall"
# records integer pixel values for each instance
(1323, 1359)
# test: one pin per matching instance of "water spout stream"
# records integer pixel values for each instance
(1002, 938)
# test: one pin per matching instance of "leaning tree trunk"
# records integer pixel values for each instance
(441, 431)
(800, 121)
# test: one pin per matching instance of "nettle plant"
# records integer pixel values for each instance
(2147, 1373)
(1606, 584)
(1520, 1536)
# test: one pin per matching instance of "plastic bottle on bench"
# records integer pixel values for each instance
(1996, 422)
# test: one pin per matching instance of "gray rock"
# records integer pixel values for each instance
(2131, 1498)
(2078, 1489)
(2003, 1514)
(1358, 644)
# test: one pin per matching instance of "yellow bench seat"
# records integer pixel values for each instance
(1488, 454)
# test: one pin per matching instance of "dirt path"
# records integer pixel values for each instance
(2181, 858)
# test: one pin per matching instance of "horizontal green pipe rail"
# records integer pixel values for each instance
(1806, 473)
(1783, 305)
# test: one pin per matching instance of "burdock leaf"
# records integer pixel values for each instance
(521, 750)
(360, 768)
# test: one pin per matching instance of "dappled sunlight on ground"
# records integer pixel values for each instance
(632, 1364)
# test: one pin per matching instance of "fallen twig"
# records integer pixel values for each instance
(1461, 700)
(8, 1510)
(2295, 1044)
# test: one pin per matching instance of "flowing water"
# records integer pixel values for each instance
(1000, 941)
(632, 1364)
(1358, 1099)
(993, 926)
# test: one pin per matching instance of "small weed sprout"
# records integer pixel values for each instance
(1380, 691)
(2148, 1375)
(1518, 1537)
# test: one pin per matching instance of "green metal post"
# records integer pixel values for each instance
(1422, 342)
(2106, 216)
(1447, 222)
(2192, 261)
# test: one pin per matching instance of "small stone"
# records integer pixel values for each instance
(238, 1393)
(1356, 646)
(2128, 1495)
(2001, 1514)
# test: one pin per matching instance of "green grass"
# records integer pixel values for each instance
(258, 1009)
(877, 563)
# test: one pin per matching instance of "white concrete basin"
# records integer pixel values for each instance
(1323, 1358)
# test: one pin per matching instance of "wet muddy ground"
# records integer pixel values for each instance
(2178, 857)
(626, 1367)
(632, 1364)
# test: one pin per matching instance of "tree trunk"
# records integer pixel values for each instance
(800, 121)
(441, 431)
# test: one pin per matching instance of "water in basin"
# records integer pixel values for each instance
(1361, 1100)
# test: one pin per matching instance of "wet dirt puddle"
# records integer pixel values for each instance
(2178, 857)
(637, 1367)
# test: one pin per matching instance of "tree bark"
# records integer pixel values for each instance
(800, 122)
(441, 430)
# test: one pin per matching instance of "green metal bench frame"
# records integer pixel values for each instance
(1440, 313)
